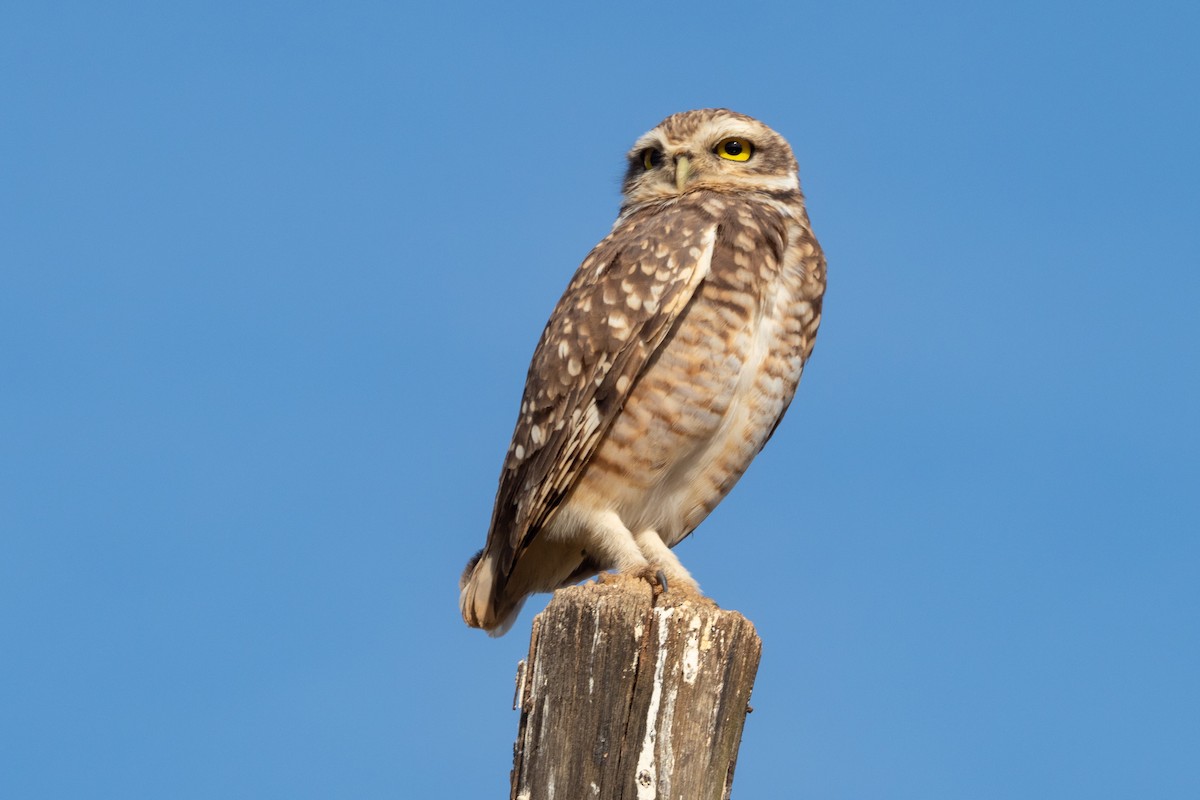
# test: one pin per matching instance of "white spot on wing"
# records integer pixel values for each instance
(592, 419)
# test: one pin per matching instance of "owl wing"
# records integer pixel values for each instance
(613, 317)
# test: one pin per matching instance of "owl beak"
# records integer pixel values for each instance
(683, 168)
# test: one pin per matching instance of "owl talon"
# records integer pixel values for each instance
(662, 580)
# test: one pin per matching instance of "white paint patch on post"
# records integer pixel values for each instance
(596, 636)
(537, 691)
(595, 630)
(691, 652)
(668, 751)
(647, 771)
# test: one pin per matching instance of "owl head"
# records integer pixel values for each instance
(712, 148)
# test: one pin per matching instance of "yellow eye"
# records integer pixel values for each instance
(734, 149)
(650, 158)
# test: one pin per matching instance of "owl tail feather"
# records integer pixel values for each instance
(481, 604)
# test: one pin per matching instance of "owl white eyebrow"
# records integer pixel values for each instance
(644, 144)
(720, 137)
(721, 129)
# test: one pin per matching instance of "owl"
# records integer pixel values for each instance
(666, 366)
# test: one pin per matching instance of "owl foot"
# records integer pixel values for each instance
(664, 582)
(635, 576)
(648, 574)
(654, 576)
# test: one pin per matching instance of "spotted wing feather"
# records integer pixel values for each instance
(615, 314)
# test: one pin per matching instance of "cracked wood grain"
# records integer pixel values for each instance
(629, 695)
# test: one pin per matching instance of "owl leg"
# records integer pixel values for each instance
(665, 563)
(610, 543)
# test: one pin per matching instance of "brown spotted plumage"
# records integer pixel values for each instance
(665, 367)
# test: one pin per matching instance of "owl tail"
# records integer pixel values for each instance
(481, 604)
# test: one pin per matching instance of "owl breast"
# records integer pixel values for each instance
(713, 394)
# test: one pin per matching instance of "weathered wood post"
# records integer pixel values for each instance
(632, 695)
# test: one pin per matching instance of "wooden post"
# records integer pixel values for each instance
(632, 695)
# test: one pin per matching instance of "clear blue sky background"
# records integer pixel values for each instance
(271, 275)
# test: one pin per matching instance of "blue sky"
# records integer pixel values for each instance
(270, 276)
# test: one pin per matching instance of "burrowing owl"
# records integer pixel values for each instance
(663, 370)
